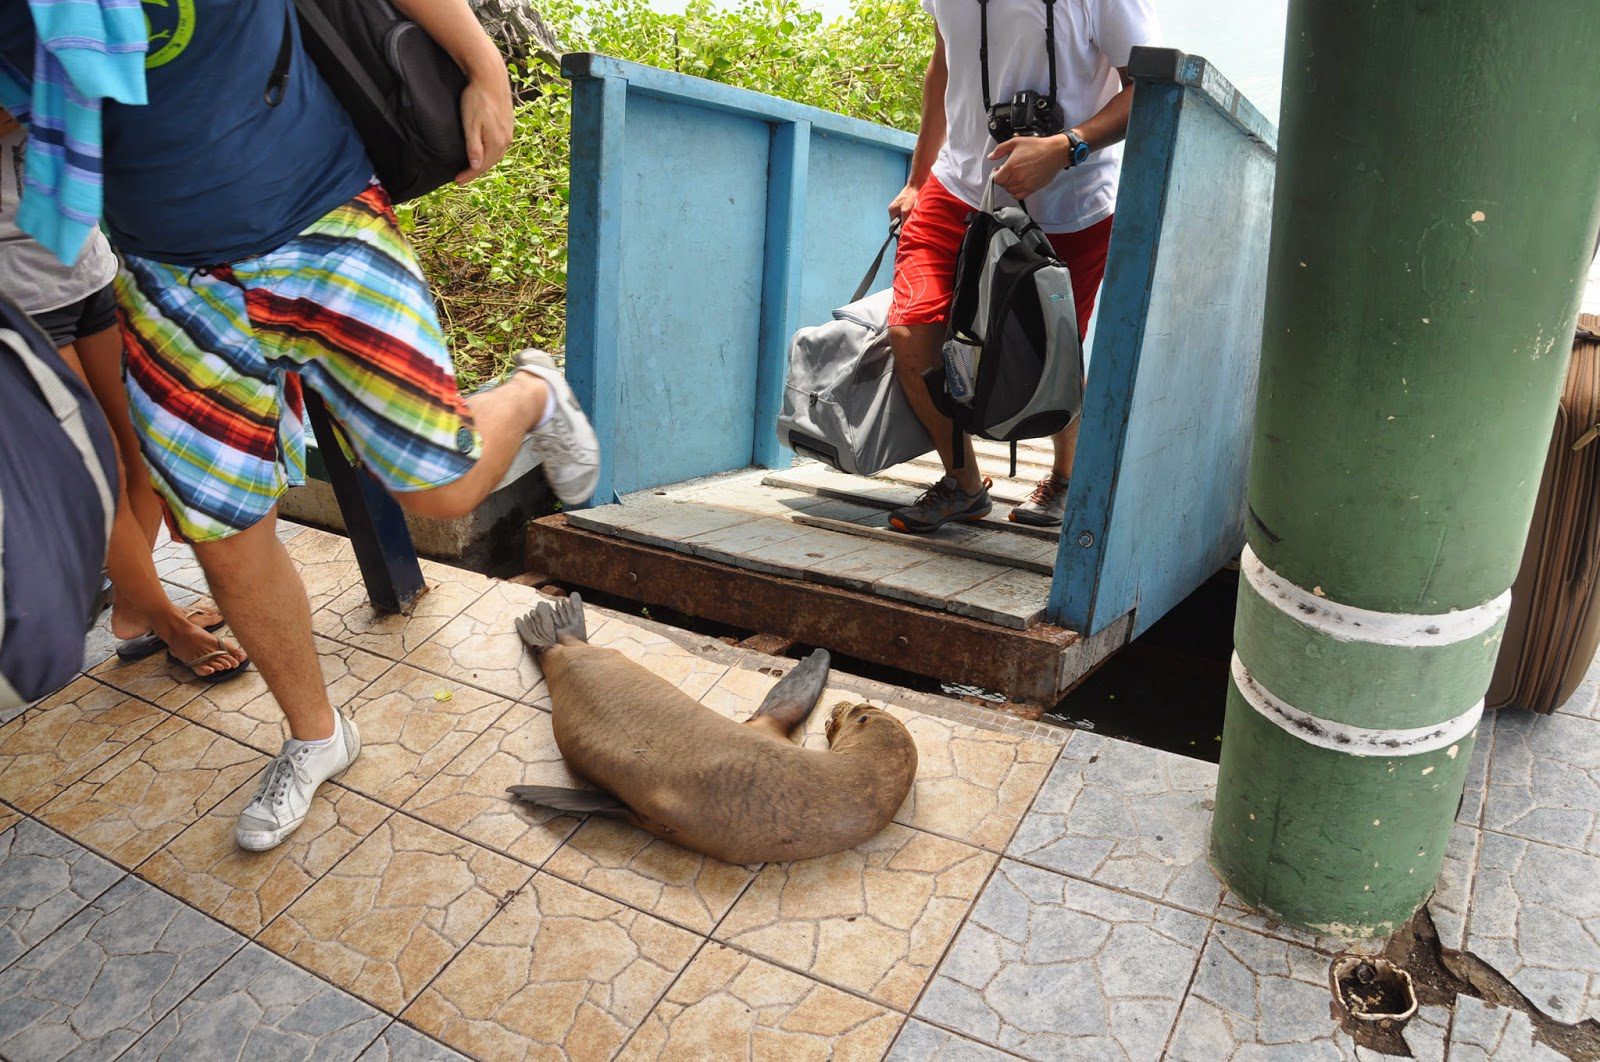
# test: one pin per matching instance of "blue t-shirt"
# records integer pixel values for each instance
(207, 172)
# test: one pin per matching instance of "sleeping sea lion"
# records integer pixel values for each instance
(742, 792)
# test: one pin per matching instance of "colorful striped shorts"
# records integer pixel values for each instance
(217, 356)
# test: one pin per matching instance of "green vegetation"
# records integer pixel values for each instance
(496, 250)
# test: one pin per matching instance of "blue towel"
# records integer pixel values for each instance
(87, 50)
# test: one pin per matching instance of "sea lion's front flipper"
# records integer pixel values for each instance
(549, 625)
(796, 694)
(577, 801)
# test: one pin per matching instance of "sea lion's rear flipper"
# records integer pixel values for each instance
(577, 801)
(793, 698)
(552, 624)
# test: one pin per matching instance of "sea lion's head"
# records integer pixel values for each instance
(846, 716)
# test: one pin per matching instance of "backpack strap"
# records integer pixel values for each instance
(278, 80)
(312, 16)
(877, 263)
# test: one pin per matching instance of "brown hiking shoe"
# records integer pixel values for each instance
(940, 504)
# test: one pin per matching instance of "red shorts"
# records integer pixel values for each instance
(925, 261)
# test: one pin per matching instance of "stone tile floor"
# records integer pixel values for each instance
(1041, 894)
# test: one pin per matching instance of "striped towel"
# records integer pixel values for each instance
(87, 50)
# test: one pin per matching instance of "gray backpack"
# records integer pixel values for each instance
(842, 404)
(1013, 360)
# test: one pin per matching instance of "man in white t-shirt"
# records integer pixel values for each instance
(1068, 179)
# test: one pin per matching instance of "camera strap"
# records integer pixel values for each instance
(983, 47)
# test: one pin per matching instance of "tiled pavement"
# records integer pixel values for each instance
(1036, 897)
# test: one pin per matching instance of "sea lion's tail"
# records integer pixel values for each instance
(550, 625)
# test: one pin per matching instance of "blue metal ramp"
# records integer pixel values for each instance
(709, 223)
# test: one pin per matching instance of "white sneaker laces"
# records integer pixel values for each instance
(274, 790)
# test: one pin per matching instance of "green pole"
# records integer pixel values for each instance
(1438, 193)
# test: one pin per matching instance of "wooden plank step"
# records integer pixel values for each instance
(861, 568)
(885, 494)
(665, 522)
(1011, 492)
(1012, 599)
(781, 546)
(796, 557)
(939, 582)
(994, 547)
(743, 491)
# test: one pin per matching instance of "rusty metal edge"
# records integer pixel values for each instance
(1025, 666)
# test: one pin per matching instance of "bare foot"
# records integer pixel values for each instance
(189, 640)
(127, 622)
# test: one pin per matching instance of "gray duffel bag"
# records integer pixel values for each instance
(841, 403)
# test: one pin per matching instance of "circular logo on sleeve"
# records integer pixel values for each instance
(169, 25)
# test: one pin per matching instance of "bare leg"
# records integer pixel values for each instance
(260, 592)
(141, 602)
(917, 349)
(1066, 447)
(101, 355)
(504, 415)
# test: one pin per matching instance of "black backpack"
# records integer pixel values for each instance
(1013, 360)
(400, 88)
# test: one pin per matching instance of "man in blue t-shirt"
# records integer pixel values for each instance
(260, 253)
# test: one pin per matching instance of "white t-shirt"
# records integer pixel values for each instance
(1093, 38)
(31, 275)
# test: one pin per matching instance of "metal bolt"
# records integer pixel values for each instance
(1086, 540)
(633, 577)
(903, 642)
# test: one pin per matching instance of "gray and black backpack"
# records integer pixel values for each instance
(1013, 360)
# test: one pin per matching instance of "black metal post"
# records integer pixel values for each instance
(374, 520)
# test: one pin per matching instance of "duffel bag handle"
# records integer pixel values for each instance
(877, 263)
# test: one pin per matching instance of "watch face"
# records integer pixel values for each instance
(1080, 151)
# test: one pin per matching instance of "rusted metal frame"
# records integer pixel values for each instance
(1025, 666)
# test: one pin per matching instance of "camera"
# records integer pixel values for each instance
(1026, 114)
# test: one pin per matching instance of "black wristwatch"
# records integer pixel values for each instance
(1080, 148)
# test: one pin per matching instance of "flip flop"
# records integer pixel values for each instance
(201, 661)
(150, 643)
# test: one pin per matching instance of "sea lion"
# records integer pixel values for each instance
(742, 792)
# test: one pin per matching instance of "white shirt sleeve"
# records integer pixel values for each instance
(1120, 25)
(927, 5)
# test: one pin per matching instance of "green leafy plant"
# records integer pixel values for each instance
(495, 251)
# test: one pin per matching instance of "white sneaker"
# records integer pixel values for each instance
(281, 804)
(566, 443)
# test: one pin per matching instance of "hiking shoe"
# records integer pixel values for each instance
(566, 443)
(281, 803)
(1046, 506)
(942, 503)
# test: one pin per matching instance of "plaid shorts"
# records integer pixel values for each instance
(216, 358)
